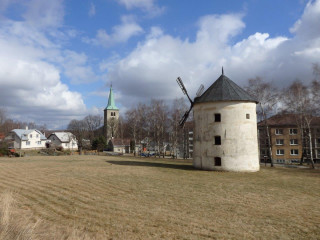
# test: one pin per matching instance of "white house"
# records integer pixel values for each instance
(64, 139)
(26, 139)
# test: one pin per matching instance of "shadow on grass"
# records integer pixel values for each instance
(153, 164)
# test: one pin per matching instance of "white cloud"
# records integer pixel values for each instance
(306, 27)
(76, 67)
(31, 65)
(44, 13)
(151, 68)
(148, 6)
(120, 33)
(92, 10)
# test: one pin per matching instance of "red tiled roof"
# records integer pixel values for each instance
(2, 136)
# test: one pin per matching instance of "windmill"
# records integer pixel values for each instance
(184, 90)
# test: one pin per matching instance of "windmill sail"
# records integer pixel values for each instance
(200, 90)
(184, 90)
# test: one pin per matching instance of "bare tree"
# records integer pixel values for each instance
(79, 128)
(93, 122)
(267, 96)
(158, 116)
(3, 116)
(133, 120)
(298, 99)
(178, 108)
(316, 70)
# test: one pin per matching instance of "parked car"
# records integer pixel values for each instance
(147, 154)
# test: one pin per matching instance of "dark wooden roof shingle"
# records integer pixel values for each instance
(223, 89)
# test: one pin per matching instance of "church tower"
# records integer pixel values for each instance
(111, 118)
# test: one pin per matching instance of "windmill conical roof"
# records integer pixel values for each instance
(224, 89)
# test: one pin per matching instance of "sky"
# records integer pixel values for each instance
(59, 58)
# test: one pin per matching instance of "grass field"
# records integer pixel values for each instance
(99, 197)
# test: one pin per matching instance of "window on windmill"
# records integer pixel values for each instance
(217, 161)
(217, 117)
(217, 140)
(248, 116)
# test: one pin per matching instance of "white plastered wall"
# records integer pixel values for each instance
(239, 145)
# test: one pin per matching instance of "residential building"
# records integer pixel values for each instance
(286, 139)
(66, 140)
(26, 139)
(121, 145)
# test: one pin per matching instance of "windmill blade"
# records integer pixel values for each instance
(185, 117)
(200, 90)
(184, 90)
(181, 85)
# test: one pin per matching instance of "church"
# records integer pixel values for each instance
(111, 127)
(111, 118)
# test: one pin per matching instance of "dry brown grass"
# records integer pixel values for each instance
(99, 197)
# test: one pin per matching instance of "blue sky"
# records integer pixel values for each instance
(59, 57)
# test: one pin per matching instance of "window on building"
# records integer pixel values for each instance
(264, 152)
(280, 152)
(39, 142)
(30, 135)
(217, 140)
(247, 116)
(279, 131)
(217, 161)
(279, 142)
(294, 152)
(293, 141)
(280, 161)
(28, 143)
(293, 131)
(37, 135)
(217, 117)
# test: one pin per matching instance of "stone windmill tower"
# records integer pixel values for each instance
(111, 118)
(225, 128)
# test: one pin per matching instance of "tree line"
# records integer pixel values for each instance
(154, 124)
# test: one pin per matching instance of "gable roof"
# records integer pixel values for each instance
(23, 133)
(121, 142)
(286, 120)
(64, 137)
(223, 89)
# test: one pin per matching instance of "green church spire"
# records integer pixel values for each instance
(111, 104)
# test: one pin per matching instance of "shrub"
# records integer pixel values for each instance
(4, 152)
(59, 148)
